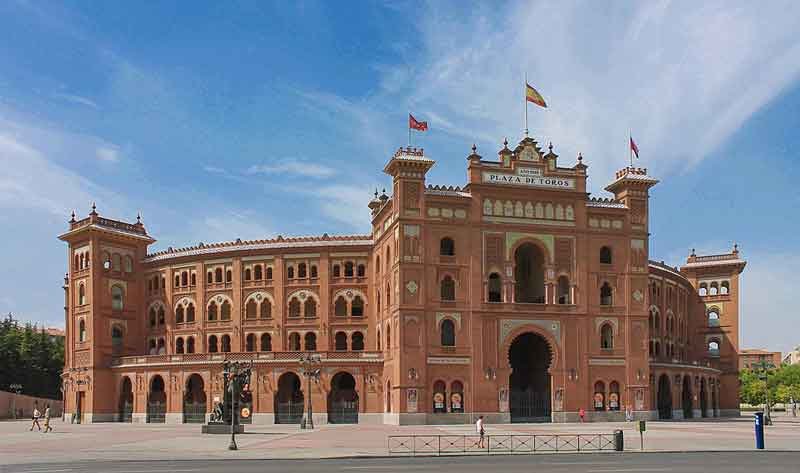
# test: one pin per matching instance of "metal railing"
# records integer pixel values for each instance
(438, 445)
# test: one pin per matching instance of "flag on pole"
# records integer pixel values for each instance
(416, 125)
(531, 95)
(634, 148)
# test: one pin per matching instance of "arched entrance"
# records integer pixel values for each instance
(529, 356)
(289, 400)
(714, 404)
(686, 397)
(703, 398)
(343, 400)
(529, 274)
(126, 401)
(156, 401)
(194, 401)
(664, 398)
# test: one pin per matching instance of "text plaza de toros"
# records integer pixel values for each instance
(516, 297)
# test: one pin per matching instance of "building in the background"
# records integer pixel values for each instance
(756, 356)
(793, 357)
(55, 333)
(517, 297)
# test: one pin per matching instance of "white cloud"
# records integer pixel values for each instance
(294, 167)
(346, 204)
(78, 99)
(108, 154)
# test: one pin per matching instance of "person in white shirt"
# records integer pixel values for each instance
(36, 415)
(481, 431)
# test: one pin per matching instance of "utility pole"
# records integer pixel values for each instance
(763, 374)
(310, 368)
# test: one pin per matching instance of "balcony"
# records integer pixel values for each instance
(257, 357)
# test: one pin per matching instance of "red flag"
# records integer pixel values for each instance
(415, 125)
(634, 148)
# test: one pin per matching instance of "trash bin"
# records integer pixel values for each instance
(759, 426)
(619, 440)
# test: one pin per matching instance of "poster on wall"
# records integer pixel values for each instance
(598, 401)
(613, 401)
(438, 403)
(559, 400)
(456, 403)
(411, 400)
(503, 397)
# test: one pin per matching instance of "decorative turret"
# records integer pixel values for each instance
(631, 187)
(408, 167)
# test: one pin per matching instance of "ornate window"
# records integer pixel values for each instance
(248, 274)
(226, 343)
(563, 290)
(301, 270)
(185, 278)
(266, 342)
(294, 307)
(179, 346)
(448, 288)
(606, 297)
(357, 343)
(294, 341)
(257, 272)
(250, 342)
(212, 344)
(212, 311)
(313, 272)
(606, 337)
(250, 309)
(337, 271)
(116, 262)
(310, 307)
(448, 335)
(348, 269)
(529, 274)
(81, 294)
(495, 287)
(82, 331)
(225, 312)
(713, 318)
(218, 275)
(128, 264)
(179, 315)
(357, 307)
(190, 345)
(228, 276)
(194, 279)
(269, 273)
(605, 255)
(117, 297)
(713, 348)
(266, 309)
(340, 307)
(190, 313)
(724, 288)
(311, 341)
(116, 340)
(290, 272)
(447, 247)
(340, 341)
(361, 271)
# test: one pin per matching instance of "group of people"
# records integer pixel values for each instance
(37, 415)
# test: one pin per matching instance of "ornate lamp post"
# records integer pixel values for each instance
(236, 375)
(17, 388)
(309, 367)
(764, 369)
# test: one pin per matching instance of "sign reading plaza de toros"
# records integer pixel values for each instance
(528, 177)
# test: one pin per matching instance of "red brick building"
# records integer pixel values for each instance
(756, 356)
(518, 297)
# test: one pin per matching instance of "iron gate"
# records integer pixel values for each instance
(529, 406)
(156, 412)
(126, 412)
(289, 412)
(194, 412)
(343, 412)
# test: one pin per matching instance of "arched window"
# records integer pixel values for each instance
(713, 318)
(357, 343)
(439, 396)
(248, 274)
(81, 294)
(250, 342)
(605, 255)
(82, 331)
(266, 342)
(313, 271)
(161, 318)
(301, 270)
(257, 272)
(116, 340)
(495, 287)
(311, 342)
(361, 271)
(116, 262)
(225, 312)
(212, 344)
(448, 335)
(226, 343)
(228, 276)
(194, 279)
(162, 348)
(250, 309)
(152, 350)
(388, 295)
(128, 264)
(357, 307)
(714, 289)
(269, 272)
(606, 337)
(294, 341)
(348, 269)
(212, 311)
(290, 272)
(340, 307)
(179, 315)
(179, 346)
(218, 275)
(703, 291)
(563, 290)
(152, 317)
(340, 341)
(599, 401)
(613, 396)
(724, 288)
(337, 271)
(209, 278)
(448, 289)
(456, 397)
(310, 307)
(529, 274)
(190, 313)
(266, 309)
(294, 307)
(117, 296)
(190, 345)
(184, 278)
(447, 247)
(379, 339)
(388, 337)
(713, 348)
(606, 294)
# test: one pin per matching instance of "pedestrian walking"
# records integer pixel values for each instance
(481, 431)
(582, 415)
(628, 413)
(36, 415)
(47, 426)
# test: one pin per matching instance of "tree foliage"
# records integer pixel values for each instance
(783, 383)
(30, 357)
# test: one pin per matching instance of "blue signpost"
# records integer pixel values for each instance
(759, 430)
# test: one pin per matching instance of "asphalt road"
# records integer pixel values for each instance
(696, 462)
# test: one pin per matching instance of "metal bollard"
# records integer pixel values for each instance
(619, 440)
(759, 426)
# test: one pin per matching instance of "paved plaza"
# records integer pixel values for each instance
(111, 442)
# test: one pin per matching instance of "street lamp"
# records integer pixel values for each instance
(236, 375)
(310, 369)
(763, 368)
(17, 388)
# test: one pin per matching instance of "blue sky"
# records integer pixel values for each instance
(250, 119)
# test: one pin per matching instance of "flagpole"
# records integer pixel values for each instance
(630, 148)
(525, 102)
(409, 129)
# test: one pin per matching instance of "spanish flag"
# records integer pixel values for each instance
(531, 95)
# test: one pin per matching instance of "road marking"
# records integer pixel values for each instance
(617, 470)
(43, 471)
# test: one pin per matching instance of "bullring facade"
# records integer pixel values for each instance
(517, 297)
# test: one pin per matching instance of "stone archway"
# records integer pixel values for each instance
(703, 398)
(289, 400)
(686, 397)
(126, 400)
(664, 397)
(157, 401)
(194, 400)
(343, 399)
(530, 357)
